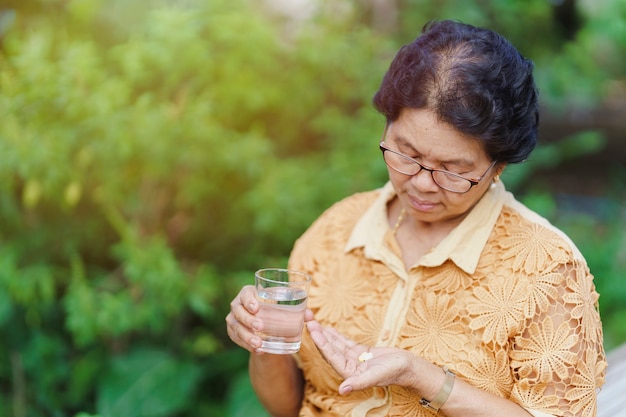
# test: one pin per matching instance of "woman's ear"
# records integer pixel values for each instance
(499, 168)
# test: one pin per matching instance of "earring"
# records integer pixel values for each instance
(496, 178)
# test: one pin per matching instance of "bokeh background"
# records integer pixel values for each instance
(154, 153)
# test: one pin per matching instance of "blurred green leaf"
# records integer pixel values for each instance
(146, 382)
(242, 401)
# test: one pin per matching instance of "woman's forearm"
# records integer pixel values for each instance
(278, 383)
(469, 401)
(464, 399)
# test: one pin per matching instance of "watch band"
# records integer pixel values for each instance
(442, 396)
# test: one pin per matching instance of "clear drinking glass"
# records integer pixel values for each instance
(282, 294)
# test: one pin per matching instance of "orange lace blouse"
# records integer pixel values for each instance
(506, 301)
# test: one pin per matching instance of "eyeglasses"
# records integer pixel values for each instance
(444, 179)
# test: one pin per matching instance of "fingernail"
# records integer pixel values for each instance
(345, 390)
(256, 325)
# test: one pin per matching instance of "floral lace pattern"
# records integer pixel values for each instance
(524, 325)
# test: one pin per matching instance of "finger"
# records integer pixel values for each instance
(242, 323)
(383, 369)
(313, 326)
(245, 307)
(241, 335)
(315, 331)
(308, 315)
(336, 349)
(358, 381)
(248, 299)
(349, 347)
(323, 335)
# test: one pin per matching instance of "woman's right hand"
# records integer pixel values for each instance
(242, 324)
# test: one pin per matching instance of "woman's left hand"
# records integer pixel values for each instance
(360, 365)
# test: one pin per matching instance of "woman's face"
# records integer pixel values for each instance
(418, 134)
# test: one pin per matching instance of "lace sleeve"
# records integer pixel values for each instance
(558, 357)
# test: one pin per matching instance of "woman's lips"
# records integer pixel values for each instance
(422, 205)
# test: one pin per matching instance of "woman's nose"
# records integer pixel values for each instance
(424, 181)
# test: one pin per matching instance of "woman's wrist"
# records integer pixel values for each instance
(441, 397)
(431, 383)
(422, 377)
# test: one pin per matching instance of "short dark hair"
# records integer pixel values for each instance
(471, 78)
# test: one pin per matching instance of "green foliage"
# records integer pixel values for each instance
(511, 18)
(552, 154)
(154, 153)
(147, 383)
(242, 399)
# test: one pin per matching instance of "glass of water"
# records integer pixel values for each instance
(282, 294)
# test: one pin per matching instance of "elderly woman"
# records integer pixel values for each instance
(439, 293)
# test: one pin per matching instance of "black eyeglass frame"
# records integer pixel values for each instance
(472, 181)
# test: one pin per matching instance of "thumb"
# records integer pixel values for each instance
(352, 383)
(345, 388)
(363, 378)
